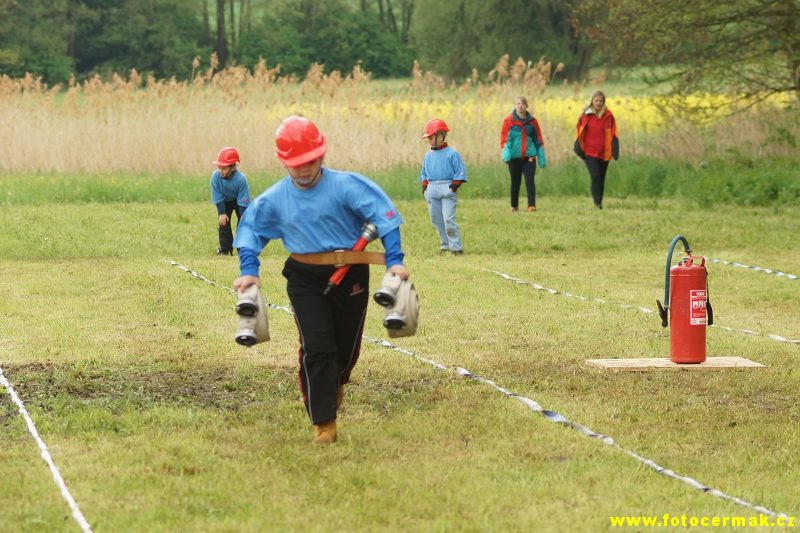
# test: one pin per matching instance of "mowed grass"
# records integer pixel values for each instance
(158, 421)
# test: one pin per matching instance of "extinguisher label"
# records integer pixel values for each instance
(698, 307)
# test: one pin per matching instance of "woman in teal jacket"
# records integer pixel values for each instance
(521, 146)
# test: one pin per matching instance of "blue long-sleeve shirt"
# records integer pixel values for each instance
(234, 188)
(323, 218)
(442, 165)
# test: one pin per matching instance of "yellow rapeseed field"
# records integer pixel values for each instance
(138, 124)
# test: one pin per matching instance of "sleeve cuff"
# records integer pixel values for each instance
(391, 245)
(248, 262)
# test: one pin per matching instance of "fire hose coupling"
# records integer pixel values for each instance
(369, 232)
(252, 312)
(399, 299)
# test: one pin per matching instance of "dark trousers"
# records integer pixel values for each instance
(330, 330)
(597, 172)
(226, 232)
(517, 168)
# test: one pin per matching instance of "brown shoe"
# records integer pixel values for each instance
(514, 209)
(531, 208)
(339, 396)
(325, 433)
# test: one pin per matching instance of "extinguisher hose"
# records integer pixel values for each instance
(662, 310)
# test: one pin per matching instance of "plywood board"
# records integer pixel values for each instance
(655, 363)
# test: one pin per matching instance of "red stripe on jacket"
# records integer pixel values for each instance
(509, 121)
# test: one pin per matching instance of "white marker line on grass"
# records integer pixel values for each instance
(538, 287)
(558, 418)
(215, 284)
(777, 273)
(76, 512)
(552, 416)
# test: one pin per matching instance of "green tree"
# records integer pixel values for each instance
(158, 36)
(453, 37)
(388, 19)
(332, 32)
(34, 38)
(221, 47)
(747, 47)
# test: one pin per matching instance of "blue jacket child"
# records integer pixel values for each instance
(229, 192)
(441, 175)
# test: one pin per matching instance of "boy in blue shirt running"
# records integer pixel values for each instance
(315, 211)
(442, 174)
(229, 193)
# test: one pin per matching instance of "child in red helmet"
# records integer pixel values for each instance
(442, 174)
(316, 210)
(229, 192)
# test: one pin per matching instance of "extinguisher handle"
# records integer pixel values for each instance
(663, 314)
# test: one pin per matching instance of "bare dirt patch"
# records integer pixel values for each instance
(38, 384)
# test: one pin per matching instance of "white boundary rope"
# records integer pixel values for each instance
(777, 273)
(223, 287)
(45, 453)
(538, 287)
(558, 418)
(552, 416)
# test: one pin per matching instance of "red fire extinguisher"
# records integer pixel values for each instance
(690, 312)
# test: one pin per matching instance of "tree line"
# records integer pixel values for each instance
(57, 39)
(748, 46)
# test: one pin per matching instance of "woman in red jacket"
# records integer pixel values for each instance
(597, 142)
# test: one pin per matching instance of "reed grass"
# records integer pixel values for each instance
(138, 124)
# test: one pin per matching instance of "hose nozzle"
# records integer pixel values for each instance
(663, 314)
(369, 232)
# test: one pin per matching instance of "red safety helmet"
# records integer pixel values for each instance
(226, 157)
(434, 125)
(298, 141)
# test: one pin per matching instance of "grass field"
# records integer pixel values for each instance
(158, 421)
(736, 179)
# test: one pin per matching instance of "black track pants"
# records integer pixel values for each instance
(597, 171)
(516, 169)
(330, 330)
(226, 231)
